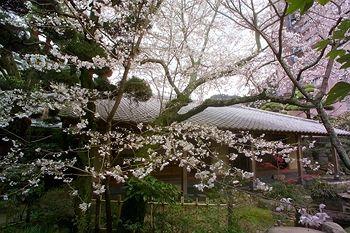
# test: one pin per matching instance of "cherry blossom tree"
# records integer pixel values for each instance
(90, 39)
(93, 40)
(81, 37)
(284, 44)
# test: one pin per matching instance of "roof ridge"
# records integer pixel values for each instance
(277, 113)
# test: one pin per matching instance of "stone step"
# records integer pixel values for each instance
(292, 230)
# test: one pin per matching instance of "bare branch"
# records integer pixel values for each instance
(229, 71)
(166, 70)
(240, 100)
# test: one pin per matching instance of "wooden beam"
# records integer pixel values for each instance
(335, 161)
(299, 158)
(253, 169)
(184, 182)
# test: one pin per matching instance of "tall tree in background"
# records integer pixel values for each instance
(273, 30)
(71, 42)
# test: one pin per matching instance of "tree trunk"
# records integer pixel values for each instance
(229, 210)
(109, 219)
(333, 136)
(97, 214)
(133, 213)
(28, 212)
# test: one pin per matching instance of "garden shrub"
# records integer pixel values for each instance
(34, 229)
(138, 193)
(183, 219)
(283, 190)
(56, 207)
(188, 219)
(138, 89)
(322, 192)
(251, 219)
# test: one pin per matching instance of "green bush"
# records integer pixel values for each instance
(250, 219)
(176, 218)
(11, 82)
(138, 193)
(186, 219)
(138, 89)
(55, 207)
(322, 192)
(32, 229)
(284, 190)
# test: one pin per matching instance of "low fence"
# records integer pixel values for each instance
(153, 207)
(11, 216)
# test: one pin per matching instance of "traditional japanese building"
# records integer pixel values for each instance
(237, 118)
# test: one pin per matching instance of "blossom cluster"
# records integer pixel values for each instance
(307, 163)
(18, 103)
(188, 145)
(285, 204)
(315, 220)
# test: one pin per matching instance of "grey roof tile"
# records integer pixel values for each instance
(235, 117)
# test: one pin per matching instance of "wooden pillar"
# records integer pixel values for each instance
(253, 170)
(184, 183)
(299, 158)
(335, 163)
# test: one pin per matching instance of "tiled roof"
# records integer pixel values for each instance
(131, 111)
(245, 118)
(235, 117)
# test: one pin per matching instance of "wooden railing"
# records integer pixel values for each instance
(153, 205)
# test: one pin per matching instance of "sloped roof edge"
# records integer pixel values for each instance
(236, 117)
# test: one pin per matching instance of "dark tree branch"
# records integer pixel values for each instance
(309, 66)
(229, 71)
(240, 100)
(280, 33)
(317, 60)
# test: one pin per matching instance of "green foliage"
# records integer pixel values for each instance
(249, 219)
(338, 92)
(181, 219)
(57, 141)
(322, 192)
(333, 54)
(55, 207)
(138, 192)
(102, 84)
(290, 107)
(278, 107)
(272, 106)
(18, 174)
(342, 29)
(11, 82)
(284, 190)
(84, 49)
(302, 5)
(322, 44)
(33, 229)
(151, 188)
(83, 221)
(64, 76)
(32, 79)
(138, 89)
(338, 37)
(245, 219)
(309, 88)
